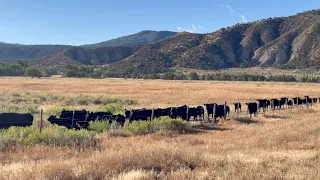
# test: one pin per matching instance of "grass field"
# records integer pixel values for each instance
(284, 145)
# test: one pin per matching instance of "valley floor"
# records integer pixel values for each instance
(283, 145)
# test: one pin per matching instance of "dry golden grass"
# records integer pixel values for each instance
(159, 93)
(285, 145)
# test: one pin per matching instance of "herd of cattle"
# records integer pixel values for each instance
(81, 119)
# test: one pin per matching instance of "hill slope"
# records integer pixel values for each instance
(143, 37)
(275, 42)
(10, 52)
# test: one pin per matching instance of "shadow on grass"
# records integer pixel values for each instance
(246, 120)
(210, 127)
(275, 116)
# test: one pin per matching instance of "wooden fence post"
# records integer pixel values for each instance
(225, 111)
(214, 113)
(258, 108)
(72, 119)
(273, 106)
(152, 114)
(187, 118)
(287, 103)
(41, 120)
(238, 109)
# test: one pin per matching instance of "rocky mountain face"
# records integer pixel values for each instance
(275, 42)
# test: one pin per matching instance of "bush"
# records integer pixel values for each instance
(113, 108)
(99, 126)
(158, 125)
(54, 135)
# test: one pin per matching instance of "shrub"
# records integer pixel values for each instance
(54, 135)
(99, 126)
(158, 125)
(113, 108)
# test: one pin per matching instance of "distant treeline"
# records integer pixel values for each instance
(231, 77)
(21, 68)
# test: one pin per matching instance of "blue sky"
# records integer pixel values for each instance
(83, 22)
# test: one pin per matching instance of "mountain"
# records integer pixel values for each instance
(143, 37)
(11, 52)
(291, 42)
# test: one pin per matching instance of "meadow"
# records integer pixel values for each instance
(280, 145)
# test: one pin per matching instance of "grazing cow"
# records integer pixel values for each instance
(15, 119)
(66, 122)
(262, 104)
(290, 103)
(297, 101)
(196, 112)
(209, 108)
(268, 104)
(162, 112)
(77, 114)
(139, 114)
(220, 111)
(237, 106)
(252, 108)
(283, 102)
(275, 103)
(180, 112)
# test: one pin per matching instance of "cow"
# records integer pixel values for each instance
(252, 108)
(15, 119)
(74, 114)
(290, 104)
(262, 103)
(196, 112)
(180, 112)
(275, 103)
(283, 102)
(66, 122)
(268, 104)
(297, 101)
(237, 106)
(139, 114)
(209, 108)
(219, 111)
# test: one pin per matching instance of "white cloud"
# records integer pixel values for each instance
(194, 27)
(180, 28)
(230, 8)
(244, 19)
(227, 6)
(200, 27)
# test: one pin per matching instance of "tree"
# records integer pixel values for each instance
(192, 76)
(32, 72)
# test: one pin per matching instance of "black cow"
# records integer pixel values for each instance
(209, 108)
(139, 114)
(180, 112)
(290, 104)
(275, 103)
(283, 102)
(196, 112)
(268, 104)
(262, 104)
(66, 122)
(237, 106)
(252, 108)
(15, 119)
(74, 114)
(297, 101)
(220, 111)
